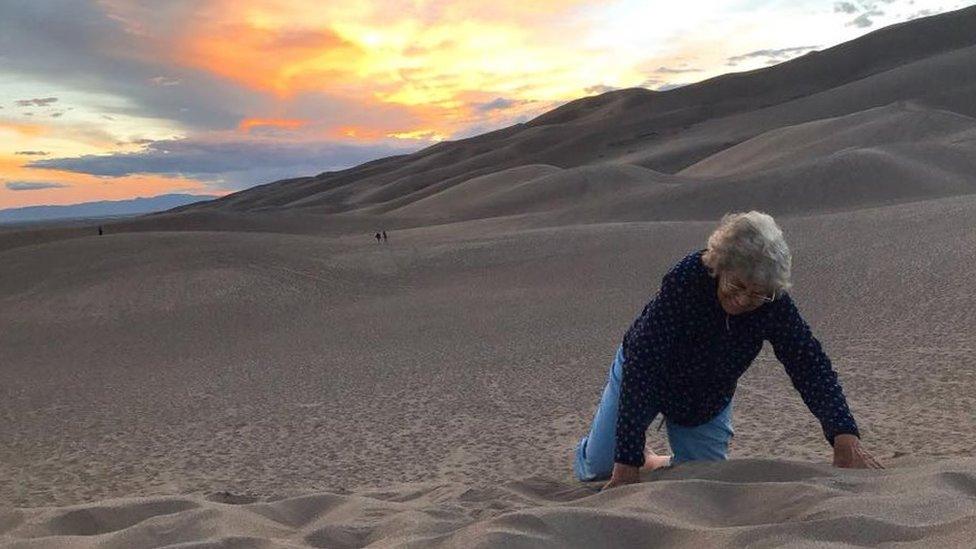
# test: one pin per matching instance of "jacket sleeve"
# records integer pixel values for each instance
(648, 338)
(809, 369)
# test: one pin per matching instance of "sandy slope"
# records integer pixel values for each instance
(275, 364)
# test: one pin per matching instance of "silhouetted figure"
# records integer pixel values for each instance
(384, 236)
(99, 230)
(378, 238)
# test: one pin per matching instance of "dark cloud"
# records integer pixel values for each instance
(234, 164)
(651, 82)
(36, 102)
(501, 104)
(845, 7)
(32, 185)
(80, 45)
(864, 20)
(165, 81)
(771, 56)
(922, 13)
(675, 70)
(867, 9)
(497, 104)
(57, 114)
(32, 153)
(483, 128)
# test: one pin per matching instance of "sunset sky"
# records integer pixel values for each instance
(115, 99)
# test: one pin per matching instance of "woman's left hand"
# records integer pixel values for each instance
(848, 453)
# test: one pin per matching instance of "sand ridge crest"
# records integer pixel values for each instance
(728, 504)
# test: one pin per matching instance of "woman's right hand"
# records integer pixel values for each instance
(621, 475)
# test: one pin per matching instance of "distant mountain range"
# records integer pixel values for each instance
(103, 208)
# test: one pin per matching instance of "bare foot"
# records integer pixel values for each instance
(653, 461)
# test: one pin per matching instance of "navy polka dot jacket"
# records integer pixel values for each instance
(684, 354)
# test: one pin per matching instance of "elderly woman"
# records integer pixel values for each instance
(685, 352)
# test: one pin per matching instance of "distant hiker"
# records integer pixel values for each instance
(384, 236)
(99, 230)
(378, 238)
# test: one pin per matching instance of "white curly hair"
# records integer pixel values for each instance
(751, 246)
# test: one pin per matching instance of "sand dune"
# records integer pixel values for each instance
(549, 190)
(667, 131)
(270, 363)
(732, 504)
(459, 196)
(896, 123)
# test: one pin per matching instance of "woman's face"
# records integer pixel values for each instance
(738, 296)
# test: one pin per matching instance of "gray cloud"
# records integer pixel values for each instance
(483, 128)
(78, 45)
(497, 104)
(68, 44)
(845, 7)
(923, 13)
(772, 56)
(234, 164)
(32, 153)
(868, 9)
(864, 20)
(165, 81)
(675, 70)
(600, 88)
(651, 82)
(36, 102)
(501, 103)
(32, 185)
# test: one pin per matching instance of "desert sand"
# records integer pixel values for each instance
(257, 371)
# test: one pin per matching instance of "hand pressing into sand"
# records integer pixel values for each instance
(622, 475)
(628, 474)
(848, 453)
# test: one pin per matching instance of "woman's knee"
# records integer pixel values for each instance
(591, 465)
(703, 443)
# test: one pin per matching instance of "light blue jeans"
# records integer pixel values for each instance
(594, 454)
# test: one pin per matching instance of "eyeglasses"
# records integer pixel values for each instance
(733, 288)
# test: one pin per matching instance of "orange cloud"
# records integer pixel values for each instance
(22, 128)
(432, 135)
(286, 123)
(426, 54)
(279, 60)
(356, 132)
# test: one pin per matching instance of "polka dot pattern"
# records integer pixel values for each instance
(684, 354)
